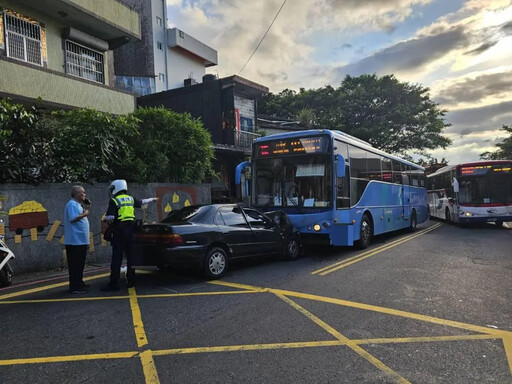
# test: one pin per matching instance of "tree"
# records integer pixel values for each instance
(172, 147)
(393, 116)
(27, 141)
(504, 151)
(432, 165)
(89, 146)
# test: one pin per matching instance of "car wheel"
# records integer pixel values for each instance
(366, 232)
(414, 222)
(292, 251)
(215, 263)
(5, 276)
(499, 224)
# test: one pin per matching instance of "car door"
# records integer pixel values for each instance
(265, 233)
(235, 230)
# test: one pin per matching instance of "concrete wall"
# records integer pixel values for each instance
(40, 245)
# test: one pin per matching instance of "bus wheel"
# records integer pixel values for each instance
(366, 232)
(414, 222)
(447, 215)
(499, 224)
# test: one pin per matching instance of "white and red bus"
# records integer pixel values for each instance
(472, 192)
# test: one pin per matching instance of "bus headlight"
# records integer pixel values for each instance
(317, 227)
(467, 214)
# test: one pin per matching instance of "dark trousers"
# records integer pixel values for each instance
(76, 263)
(122, 244)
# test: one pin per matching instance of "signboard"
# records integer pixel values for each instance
(293, 146)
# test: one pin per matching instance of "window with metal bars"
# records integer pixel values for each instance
(23, 39)
(84, 62)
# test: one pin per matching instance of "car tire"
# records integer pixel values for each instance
(499, 224)
(293, 248)
(5, 276)
(215, 263)
(366, 232)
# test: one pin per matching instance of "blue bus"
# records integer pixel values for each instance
(336, 189)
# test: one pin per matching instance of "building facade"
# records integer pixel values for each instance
(165, 58)
(59, 53)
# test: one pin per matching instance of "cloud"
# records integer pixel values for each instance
(475, 88)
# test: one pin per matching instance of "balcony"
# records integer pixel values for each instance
(243, 139)
(27, 82)
(109, 20)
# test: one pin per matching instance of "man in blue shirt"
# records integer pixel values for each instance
(76, 238)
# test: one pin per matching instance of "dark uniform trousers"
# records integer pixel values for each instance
(122, 243)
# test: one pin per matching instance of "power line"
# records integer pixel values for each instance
(263, 38)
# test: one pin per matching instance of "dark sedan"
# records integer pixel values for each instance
(210, 236)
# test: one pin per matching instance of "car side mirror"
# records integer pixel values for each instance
(340, 166)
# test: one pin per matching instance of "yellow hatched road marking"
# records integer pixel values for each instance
(356, 348)
(48, 287)
(345, 263)
(2, 229)
(507, 343)
(148, 366)
(61, 359)
(138, 325)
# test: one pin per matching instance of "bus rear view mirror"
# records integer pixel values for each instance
(340, 166)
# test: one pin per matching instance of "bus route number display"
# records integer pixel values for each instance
(293, 146)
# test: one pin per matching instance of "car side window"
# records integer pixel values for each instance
(256, 219)
(218, 218)
(233, 217)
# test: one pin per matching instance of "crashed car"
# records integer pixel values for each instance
(210, 236)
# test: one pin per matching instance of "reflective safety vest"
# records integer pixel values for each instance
(125, 209)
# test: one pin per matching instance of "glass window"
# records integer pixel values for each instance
(84, 62)
(397, 172)
(23, 40)
(358, 174)
(256, 219)
(387, 170)
(373, 164)
(342, 183)
(233, 216)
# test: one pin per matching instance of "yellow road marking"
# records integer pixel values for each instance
(356, 348)
(48, 287)
(138, 325)
(2, 229)
(507, 343)
(425, 339)
(17, 239)
(91, 242)
(52, 230)
(373, 308)
(61, 359)
(148, 366)
(344, 263)
(247, 347)
(33, 234)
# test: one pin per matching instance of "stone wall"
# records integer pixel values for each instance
(31, 218)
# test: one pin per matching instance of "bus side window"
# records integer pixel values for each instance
(397, 172)
(342, 183)
(387, 171)
(358, 174)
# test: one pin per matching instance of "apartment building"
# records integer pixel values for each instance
(59, 53)
(165, 58)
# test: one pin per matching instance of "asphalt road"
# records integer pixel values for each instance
(434, 306)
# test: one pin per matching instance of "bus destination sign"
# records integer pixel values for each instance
(483, 169)
(293, 146)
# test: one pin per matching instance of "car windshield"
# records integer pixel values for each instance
(184, 214)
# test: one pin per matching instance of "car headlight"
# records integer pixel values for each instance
(317, 227)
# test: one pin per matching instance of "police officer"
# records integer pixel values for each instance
(121, 215)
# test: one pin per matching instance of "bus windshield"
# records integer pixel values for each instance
(293, 181)
(490, 184)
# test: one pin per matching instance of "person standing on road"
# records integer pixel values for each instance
(121, 216)
(76, 238)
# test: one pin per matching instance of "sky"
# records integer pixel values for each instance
(460, 49)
